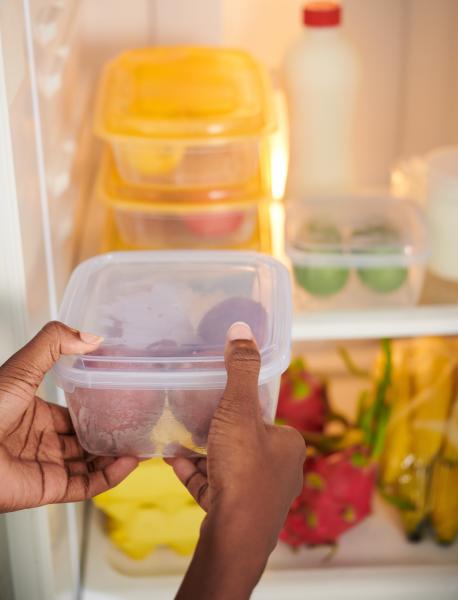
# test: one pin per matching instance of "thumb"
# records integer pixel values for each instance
(30, 364)
(243, 362)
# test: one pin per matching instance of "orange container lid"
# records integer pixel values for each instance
(184, 92)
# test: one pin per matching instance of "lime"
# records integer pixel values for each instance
(383, 280)
(321, 281)
(380, 240)
(320, 237)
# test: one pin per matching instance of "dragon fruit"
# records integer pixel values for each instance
(337, 495)
(303, 401)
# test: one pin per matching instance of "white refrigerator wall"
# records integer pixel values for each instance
(42, 543)
(408, 49)
(429, 110)
(408, 101)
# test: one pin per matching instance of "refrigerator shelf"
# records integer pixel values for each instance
(437, 313)
(373, 560)
(367, 324)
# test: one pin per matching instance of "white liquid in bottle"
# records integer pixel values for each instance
(321, 80)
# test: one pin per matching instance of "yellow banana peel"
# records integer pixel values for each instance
(412, 487)
(432, 368)
(444, 501)
(450, 449)
(419, 463)
(398, 440)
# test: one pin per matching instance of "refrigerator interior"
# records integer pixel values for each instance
(51, 54)
(375, 553)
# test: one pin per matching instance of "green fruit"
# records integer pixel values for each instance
(321, 281)
(320, 237)
(383, 279)
(380, 240)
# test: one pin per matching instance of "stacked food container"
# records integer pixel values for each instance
(187, 163)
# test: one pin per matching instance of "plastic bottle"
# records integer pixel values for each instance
(321, 80)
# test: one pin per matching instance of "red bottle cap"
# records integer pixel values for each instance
(322, 14)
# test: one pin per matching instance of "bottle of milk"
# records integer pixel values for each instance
(321, 78)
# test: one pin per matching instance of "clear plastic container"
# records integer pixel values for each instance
(223, 228)
(144, 218)
(186, 116)
(153, 385)
(356, 251)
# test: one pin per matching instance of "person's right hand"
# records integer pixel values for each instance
(247, 483)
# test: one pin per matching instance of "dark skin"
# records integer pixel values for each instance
(246, 484)
(40, 456)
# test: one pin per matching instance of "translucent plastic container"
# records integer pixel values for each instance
(186, 116)
(145, 218)
(153, 385)
(356, 251)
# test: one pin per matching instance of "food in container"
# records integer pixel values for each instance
(326, 280)
(146, 218)
(380, 240)
(186, 116)
(356, 251)
(153, 385)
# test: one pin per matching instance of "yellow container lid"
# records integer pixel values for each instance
(184, 93)
(117, 193)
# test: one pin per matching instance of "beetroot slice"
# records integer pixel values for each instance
(214, 325)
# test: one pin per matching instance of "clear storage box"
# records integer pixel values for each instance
(356, 251)
(186, 116)
(144, 218)
(153, 385)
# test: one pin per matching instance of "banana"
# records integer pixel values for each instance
(419, 464)
(432, 368)
(450, 448)
(398, 441)
(412, 488)
(444, 501)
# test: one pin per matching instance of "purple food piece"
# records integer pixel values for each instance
(116, 422)
(214, 325)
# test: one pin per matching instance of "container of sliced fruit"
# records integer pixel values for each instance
(152, 386)
(147, 219)
(356, 251)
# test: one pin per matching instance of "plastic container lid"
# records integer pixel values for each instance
(116, 193)
(356, 231)
(184, 92)
(164, 317)
(322, 14)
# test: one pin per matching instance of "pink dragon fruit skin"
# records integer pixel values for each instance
(337, 495)
(302, 402)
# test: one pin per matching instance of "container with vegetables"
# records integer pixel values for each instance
(356, 251)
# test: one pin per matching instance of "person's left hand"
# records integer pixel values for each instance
(41, 460)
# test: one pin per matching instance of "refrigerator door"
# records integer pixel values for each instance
(42, 543)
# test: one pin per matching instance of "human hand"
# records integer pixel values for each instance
(247, 483)
(41, 460)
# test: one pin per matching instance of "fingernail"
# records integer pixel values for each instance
(239, 331)
(90, 338)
